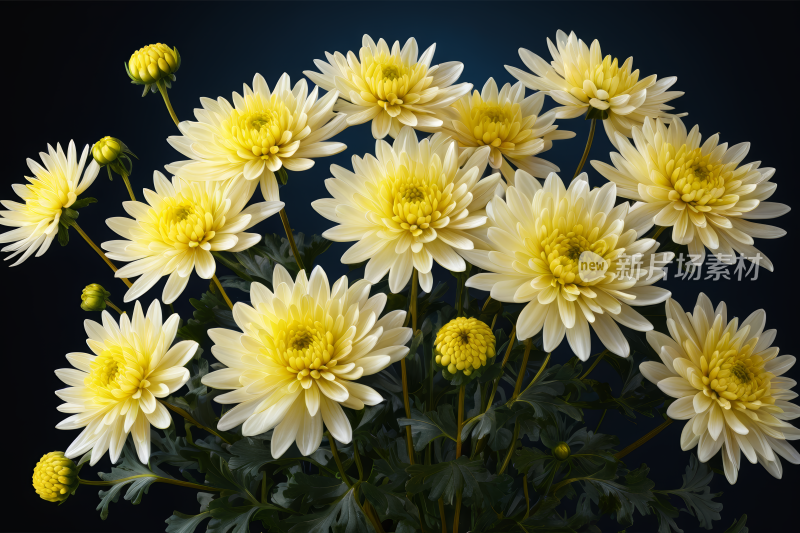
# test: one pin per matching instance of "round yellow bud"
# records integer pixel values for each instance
(464, 345)
(55, 477)
(561, 451)
(94, 297)
(107, 150)
(153, 63)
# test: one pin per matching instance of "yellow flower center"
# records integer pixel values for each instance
(306, 349)
(695, 179)
(495, 125)
(388, 81)
(262, 129)
(464, 344)
(412, 196)
(112, 377)
(182, 223)
(606, 79)
(561, 252)
(50, 195)
(733, 374)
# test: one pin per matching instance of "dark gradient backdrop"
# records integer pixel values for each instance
(64, 79)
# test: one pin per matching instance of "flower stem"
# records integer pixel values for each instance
(358, 462)
(98, 250)
(527, 497)
(221, 290)
(128, 185)
(658, 232)
(594, 364)
(586, 150)
(510, 448)
(442, 515)
(288, 229)
(601, 420)
(162, 88)
(159, 479)
(460, 419)
(647, 437)
(339, 465)
(192, 421)
(522, 367)
(114, 307)
(457, 512)
(404, 371)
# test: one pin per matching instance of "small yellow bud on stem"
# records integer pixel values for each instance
(55, 477)
(94, 297)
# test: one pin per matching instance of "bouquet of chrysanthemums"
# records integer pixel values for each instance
(372, 405)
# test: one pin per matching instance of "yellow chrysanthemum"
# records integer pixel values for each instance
(464, 345)
(55, 186)
(510, 125)
(260, 133)
(152, 64)
(302, 350)
(55, 477)
(392, 88)
(700, 190)
(581, 79)
(728, 381)
(409, 206)
(114, 392)
(176, 233)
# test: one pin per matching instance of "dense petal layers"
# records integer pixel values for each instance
(301, 351)
(572, 256)
(700, 190)
(114, 391)
(727, 378)
(410, 204)
(175, 232)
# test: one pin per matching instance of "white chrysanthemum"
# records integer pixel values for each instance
(728, 382)
(574, 258)
(176, 233)
(260, 133)
(392, 88)
(581, 79)
(301, 352)
(697, 189)
(408, 206)
(53, 188)
(114, 392)
(510, 125)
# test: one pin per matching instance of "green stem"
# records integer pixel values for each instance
(339, 465)
(128, 185)
(457, 512)
(159, 479)
(98, 250)
(404, 371)
(647, 437)
(659, 231)
(162, 88)
(601, 420)
(510, 448)
(527, 497)
(358, 462)
(114, 307)
(192, 421)
(594, 364)
(222, 291)
(288, 229)
(522, 367)
(442, 515)
(461, 391)
(586, 150)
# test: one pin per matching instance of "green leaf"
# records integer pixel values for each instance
(83, 202)
(345, 516)
(696, 493)
(430, 426)
(739, 526)
(543, 396)
(229, 519)
(63, 234)
(444, 480)
(391, 505)
(619, 497)
(211, 311)
(184, 523)
(317, 489)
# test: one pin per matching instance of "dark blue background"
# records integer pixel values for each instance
(64, 79)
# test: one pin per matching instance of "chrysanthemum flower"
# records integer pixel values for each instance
(55, 186)
(392, 88)
(700, 190)
(510, 125)
(582, 80)
(176, 233)
(298, 360)
(55, 477)
(727, 378)
(114, 392)
(260, 133)
(464, 345)
(574, 258)
(411, 205)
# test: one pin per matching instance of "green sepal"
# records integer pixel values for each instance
(596, 114)
(63, 234)
(282, 175)
(80, 204)
(133, 80)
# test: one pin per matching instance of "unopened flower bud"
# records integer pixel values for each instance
(55, 477)
(561, 451)
(153, 62)
(464, 345)
(107, 150)
(94, 298)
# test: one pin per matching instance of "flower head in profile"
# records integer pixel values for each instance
(54, 187)
(409, 205)
(114, 392)
(262, 132)
(583, 81)
(700, 190)
(574, 259)
(392, 88)
(298, 359)
(510, 124)
(176, 233)
(729, 384)
(55, 477)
